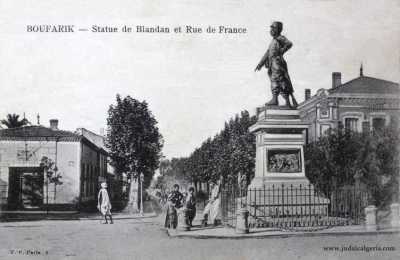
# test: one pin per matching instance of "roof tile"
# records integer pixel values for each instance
(37, 133)
(367, 85)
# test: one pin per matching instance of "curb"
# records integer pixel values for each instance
(71, 217)
(282, 235)
(149, 215)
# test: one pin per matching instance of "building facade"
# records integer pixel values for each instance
(23, 183)
(362, 104)
(117, 183)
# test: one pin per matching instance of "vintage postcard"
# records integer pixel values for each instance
(198, 129)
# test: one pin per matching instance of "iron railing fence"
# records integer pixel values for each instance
(3, 195)
(291, 207)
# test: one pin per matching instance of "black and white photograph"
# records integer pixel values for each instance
(199, 129)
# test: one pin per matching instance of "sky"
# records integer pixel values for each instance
(193, 83)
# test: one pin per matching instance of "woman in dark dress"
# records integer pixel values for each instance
(174, 202)
(190, 205)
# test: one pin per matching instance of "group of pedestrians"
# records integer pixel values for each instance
(178, 202)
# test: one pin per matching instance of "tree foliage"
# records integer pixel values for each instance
(226, 154)
(172, 172)
(12, 121)
(339, 158)
(331, 161)
(133, 139)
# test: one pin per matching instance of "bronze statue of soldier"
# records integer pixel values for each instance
(277, 68)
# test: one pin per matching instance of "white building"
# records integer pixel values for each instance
(81, 163)
(362, 104)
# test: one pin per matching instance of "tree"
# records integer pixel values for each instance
(172, 172)
(12, 121)
(230, 152)
(133, 140)
(379, 165)
(52, 175)
(336, 160)
(331, 161)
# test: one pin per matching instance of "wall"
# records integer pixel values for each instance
(12, 154)
(68, 158)
(93, 171)
(338, 109)
(367, 109)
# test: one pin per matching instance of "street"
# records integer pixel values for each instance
(144, 238)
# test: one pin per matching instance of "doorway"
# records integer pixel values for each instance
(25, 188)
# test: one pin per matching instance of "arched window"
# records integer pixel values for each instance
(351, 123)
(378, 123)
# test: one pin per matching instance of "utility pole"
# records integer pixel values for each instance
(47, 192)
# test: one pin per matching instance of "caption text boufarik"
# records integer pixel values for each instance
(187, 29)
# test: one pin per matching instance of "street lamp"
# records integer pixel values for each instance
(141, 193)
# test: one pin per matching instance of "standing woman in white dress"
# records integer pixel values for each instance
(212, 210)
(104, 204)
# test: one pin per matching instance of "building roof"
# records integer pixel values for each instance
(41, 133)
(367, 85)
(97, 139)
(34, 133)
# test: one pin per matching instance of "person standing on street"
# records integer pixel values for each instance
(212, 210)
(104, 204)
(174, 202)
(190, 205)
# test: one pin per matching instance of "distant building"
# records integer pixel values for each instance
(362, 104)
(117, 183)
(80, 161)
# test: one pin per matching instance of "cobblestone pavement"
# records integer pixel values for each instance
(144, 238)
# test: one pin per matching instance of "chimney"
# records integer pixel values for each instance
(361, 70)
(54, 124)
(336, 79)
(307, 94)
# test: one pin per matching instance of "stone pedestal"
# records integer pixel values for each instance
(370, 218)
(280, 137)
(280, 177)
(242, 225)
(395, 213)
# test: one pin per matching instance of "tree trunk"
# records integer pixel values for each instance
(133, 202)
(55, 192)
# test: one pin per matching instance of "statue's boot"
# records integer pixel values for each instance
(273, 101)
(287, 101)
(294, 101)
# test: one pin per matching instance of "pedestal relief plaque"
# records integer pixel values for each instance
(284, 160)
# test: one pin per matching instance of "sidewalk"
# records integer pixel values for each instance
(21, 215)
(118, 216)
(222, 232)
(10, 216)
